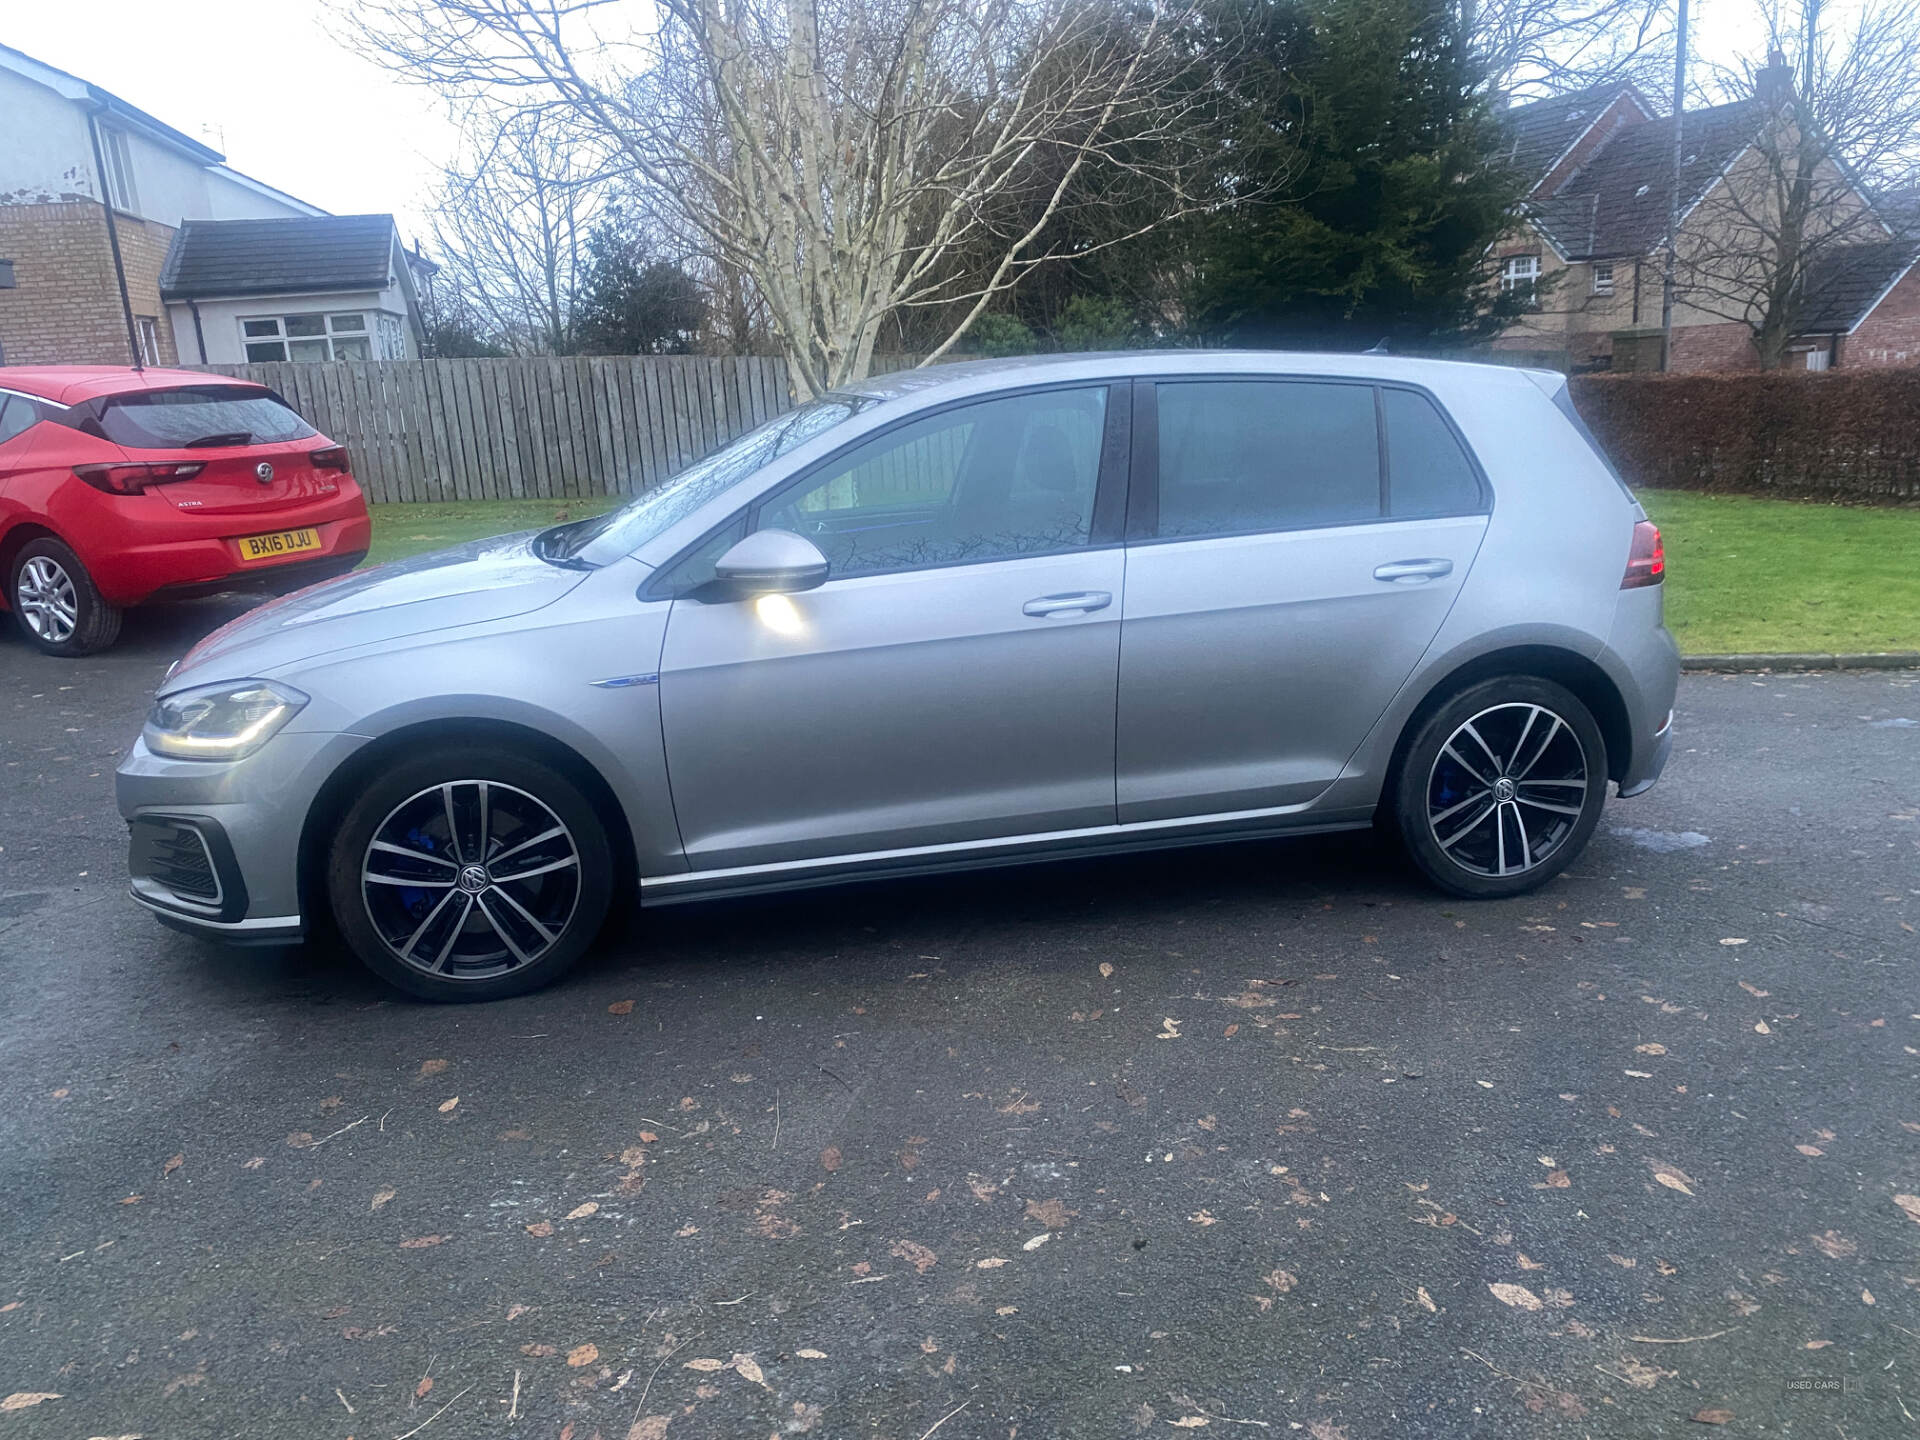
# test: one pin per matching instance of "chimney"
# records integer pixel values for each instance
(1773, 84)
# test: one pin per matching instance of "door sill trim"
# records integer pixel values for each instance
(1094, 840)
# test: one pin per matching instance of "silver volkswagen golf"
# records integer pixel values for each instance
(965, 616)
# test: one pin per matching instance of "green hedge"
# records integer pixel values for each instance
(1848, 435)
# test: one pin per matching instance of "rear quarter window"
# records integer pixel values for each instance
(199, 416)
(1429, 474)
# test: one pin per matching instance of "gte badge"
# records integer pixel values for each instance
(263, 472)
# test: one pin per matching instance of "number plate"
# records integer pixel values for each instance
(281, 542)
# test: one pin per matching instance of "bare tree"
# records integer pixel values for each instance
(1801, 197)
(512, 221)
(1532, 48)
(841, 153)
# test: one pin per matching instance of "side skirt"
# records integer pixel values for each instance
(990, 854)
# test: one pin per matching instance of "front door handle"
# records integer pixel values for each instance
(1077, 603)
(1413, 572)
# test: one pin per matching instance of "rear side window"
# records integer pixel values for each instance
(1238, 456)
(201, 415)
(16, 416)
(1563, 402)
(1429, 473)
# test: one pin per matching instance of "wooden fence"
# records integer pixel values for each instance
(531, 427)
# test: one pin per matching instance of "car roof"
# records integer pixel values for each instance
(72, 384)
(973, 376)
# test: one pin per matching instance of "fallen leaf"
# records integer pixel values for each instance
(649, 1427)
(540, 1229)
(915, 1254)
(172, 1165)
(1650, 1049)
(1866, 1297)
(748, 1369)
(1809, 1149)
(432, 1067)
(1280, 1281)
(1426, 1300)
(992, 1262)
(1643, 1376)
(1517, 1296)
(830, 1158)
(300, 1139)
(424, 1388)
(1525, 1262)
(1910, 1204)
(1170, 1029)
(1730, 940)
(1671, 1176)
(1203, 1218)
(1835, 1246)
(382, 1196)
(620, 1007)
(1558, 1180)
(1760, 1027)
(1037, 1241)
(582, 1211)
(1625, 1262)
(705, 1366)
(1753, 990)
(447, 1105)
(423, 1242)
(1712, 1417)
(1051, 1213)
(254, 1164)
(27, 1399)
(1818, 1344)
(811, 1354)
(540, 1352)
(1106, 969)
(1190, 1422)
(514, 1312)
(583, 1355)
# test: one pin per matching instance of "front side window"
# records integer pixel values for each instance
(313, 337)
(1520, 275)
(991, 480)
(1241, 456)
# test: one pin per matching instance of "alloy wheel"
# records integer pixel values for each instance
(44, 596)
(470, 879)
(1507, 789)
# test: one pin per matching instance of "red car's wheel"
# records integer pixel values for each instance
(55, 600)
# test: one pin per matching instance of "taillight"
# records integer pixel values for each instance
(132, 479)
(1647, 561)
(334, 457)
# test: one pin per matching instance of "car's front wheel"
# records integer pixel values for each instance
(1501, 787)
(59, 608)
(470, 873)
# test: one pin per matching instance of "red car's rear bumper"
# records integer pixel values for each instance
(135, 557)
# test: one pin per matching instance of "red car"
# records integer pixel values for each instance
(121, 486)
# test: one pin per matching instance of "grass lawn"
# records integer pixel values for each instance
(1743, 574)
(1778, 575)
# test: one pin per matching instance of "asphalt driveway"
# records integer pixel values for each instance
(1256, 1140)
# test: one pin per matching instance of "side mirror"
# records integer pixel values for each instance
(771, 562)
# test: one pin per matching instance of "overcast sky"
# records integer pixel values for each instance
(263, 81)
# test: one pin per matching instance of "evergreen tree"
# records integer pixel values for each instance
(630, 302)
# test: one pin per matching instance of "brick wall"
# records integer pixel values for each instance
(1891, 334)
(1723, 347)
(64, 308)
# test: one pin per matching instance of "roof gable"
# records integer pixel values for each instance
(294, 255)
(1845, 283)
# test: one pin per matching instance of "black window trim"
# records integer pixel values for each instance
(1143, 516)
(1110, 497)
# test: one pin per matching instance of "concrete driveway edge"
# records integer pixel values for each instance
(1740, 664)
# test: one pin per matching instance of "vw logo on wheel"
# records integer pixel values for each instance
(263, 472)
(473, 879)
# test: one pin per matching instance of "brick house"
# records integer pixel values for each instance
(217, 266)
(1591, 240)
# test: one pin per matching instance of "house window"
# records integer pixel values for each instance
(1817, 359)
(6, 275)
(120, 191)
(307, 337)
(1603, 279)
(149, 329)
(1520, 275)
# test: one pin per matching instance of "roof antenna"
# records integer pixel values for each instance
(1379, 347)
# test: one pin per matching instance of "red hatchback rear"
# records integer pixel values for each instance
(122, 486)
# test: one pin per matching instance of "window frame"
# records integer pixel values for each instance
(1143, 513)
(1105, 532)
(117, 158)
(1511, 284)
(147, 327)
(1599, 286)
(286, 341)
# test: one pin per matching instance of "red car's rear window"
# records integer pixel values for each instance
(199, 416)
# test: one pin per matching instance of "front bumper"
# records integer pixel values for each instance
(214, 848)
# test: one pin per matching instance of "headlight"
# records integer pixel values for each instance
(220, 722)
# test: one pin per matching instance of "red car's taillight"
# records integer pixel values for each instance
(1647, 561)
(132, 479)
(334, 457)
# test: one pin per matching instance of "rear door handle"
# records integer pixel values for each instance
(1079, 602)
(1413, 572)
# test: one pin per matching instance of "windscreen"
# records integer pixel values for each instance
(199, 416)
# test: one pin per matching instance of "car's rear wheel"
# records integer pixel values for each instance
(59, 608)
(1501, 787)
(470, 874)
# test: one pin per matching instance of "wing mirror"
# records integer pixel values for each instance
(771, 562)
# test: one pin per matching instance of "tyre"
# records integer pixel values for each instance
(471, 873)
(1501, 787)
(55, 600)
